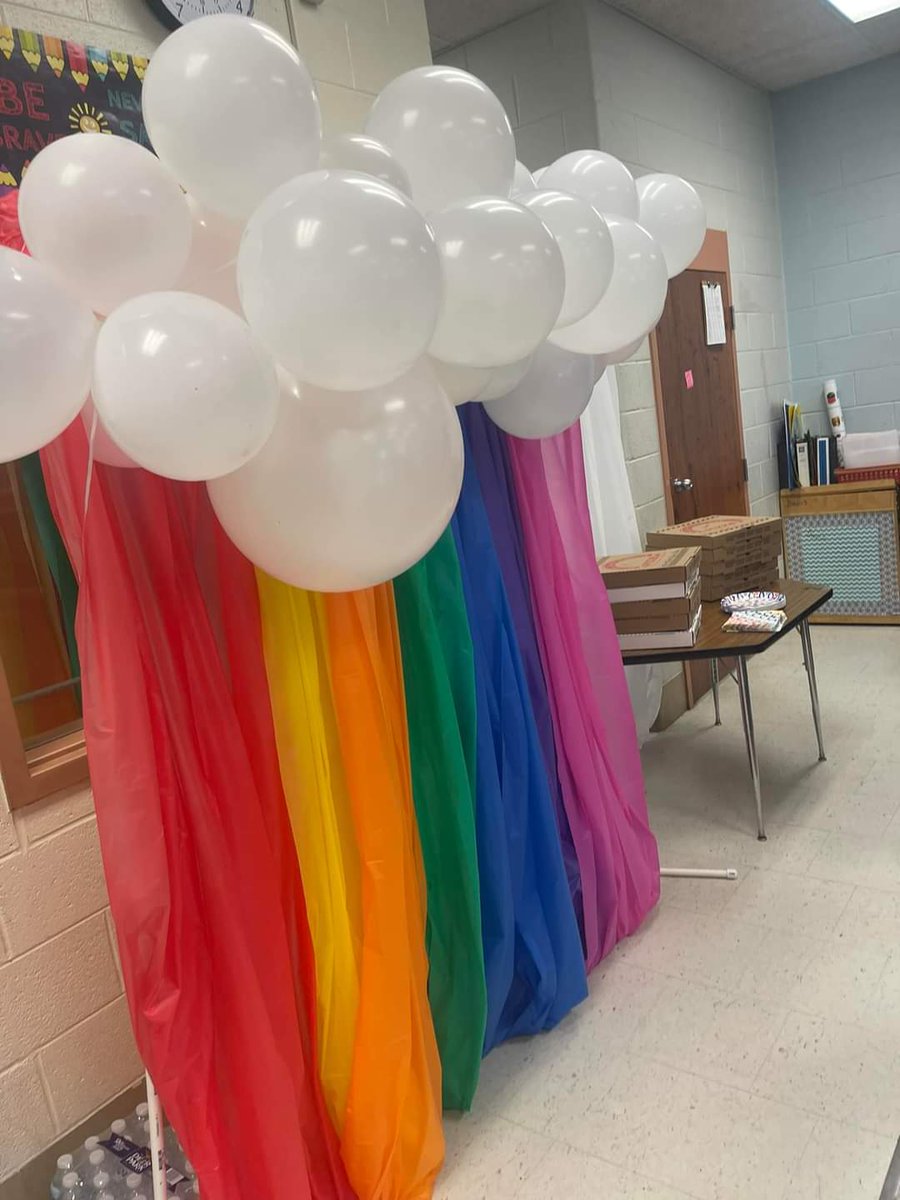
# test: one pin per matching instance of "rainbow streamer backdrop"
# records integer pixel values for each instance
(352, 841)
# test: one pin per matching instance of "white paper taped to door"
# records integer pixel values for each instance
(714, 311)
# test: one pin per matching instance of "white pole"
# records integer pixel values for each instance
(698, 873)
(157, 1142)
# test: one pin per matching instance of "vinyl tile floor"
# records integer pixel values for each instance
(745, 1043)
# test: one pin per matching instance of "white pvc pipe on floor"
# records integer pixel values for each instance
(698, 873)
(157, 1142)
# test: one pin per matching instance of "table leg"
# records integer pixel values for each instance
(809, 663)
(750, 735)
(714, 664)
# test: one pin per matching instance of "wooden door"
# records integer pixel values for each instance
(699, 408)
(700, 405)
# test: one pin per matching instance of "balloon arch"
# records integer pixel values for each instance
(296, 332)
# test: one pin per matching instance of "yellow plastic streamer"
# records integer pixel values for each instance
(293, 628)
(393, 1142)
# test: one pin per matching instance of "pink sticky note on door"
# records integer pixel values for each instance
(689, 379)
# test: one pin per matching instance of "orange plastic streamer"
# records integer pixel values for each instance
(293, 628)
(392, 1140)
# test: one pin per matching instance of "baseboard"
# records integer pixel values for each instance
(32, 1182)
(672, 705)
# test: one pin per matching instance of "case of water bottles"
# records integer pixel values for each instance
(115, 1165)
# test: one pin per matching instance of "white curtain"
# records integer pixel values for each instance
(613, 519)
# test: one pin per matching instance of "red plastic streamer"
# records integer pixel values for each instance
(210, 920)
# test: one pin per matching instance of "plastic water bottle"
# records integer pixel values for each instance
(64, 1164)
(101, 1182)
(139, 1126)
(72, 1187)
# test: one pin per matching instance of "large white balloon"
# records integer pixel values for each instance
(461, 384)
(232, 110)
(523, 181)
(340, 279)
(46, 351)
(352, 488)
(586, 246)
(211, 268)
(634, 300)
(356, 152)
(104, 449)
(552, 396)
(503, 282)
(672, 211)
(107, 215)
(623, 353)
(182, 386)
(504, 379)
(449, 131)
(602, 180)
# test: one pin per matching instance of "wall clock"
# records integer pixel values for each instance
(173, 13)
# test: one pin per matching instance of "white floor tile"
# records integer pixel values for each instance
(795, 903)
(840, 981)
(842, 1072)
(693, 946)
(488, 1159)
(719, 1035)
(856, 859)
(841, 1162)
(715, 1142)
(565, 1173)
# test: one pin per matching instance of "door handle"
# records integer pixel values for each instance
(683, 485)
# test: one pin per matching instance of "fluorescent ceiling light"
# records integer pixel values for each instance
(862, 10)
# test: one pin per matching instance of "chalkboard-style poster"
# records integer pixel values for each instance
(50, 88)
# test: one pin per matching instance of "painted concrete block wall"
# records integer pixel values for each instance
(838, 152)
(579, 73)
(66, 1047)
(539, 67)
(662, 108)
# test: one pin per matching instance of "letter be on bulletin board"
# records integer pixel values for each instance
(50, 88)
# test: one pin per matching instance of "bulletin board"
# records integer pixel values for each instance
(50, 88)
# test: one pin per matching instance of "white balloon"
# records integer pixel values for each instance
(46, 351)
(104, 448)
(551, 397)
(352, 488)
(586, 246)
(356, 152)
(182, 386)
(449, 131)
(523, 180)
(232, 111)
(340, 279)
(107, 215)
(634, 300)
(602, 180)
(672, 211)
(211, 268)
(461, 384)
(504, 379)
(624, 352)
(538, 175)
(503, 282)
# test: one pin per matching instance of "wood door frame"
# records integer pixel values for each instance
(713, 256)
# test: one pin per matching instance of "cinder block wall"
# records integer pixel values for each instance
(579, 73)
(65, 1040)
(838, 147)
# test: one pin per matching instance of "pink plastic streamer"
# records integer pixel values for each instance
(598, 759)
